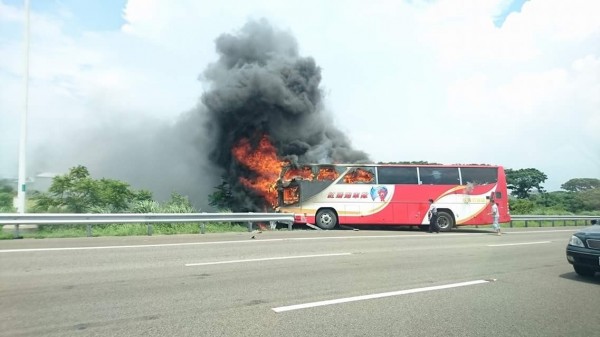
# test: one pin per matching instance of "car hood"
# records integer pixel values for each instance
(592, 231)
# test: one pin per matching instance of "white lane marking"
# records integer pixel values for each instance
(25, 250)
(265, 259)
(518, 244)
(380, 295)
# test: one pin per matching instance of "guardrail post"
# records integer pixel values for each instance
(17, 235)
(150, 229)
(552, 223)
(249, 226)
(526, 223)
(290, 223)
(89, 230)
(202, 225)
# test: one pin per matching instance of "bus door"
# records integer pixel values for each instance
(414, 213)
(404, 181)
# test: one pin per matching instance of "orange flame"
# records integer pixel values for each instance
(291, 195)
(304, 173)
(327, 173)
(263, 161)
(359, 176)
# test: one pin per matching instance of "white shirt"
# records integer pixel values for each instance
(495, 210)
(432, 211)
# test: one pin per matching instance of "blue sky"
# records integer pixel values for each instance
(81, 15)
(506, 9)
(108, 14)
(512, 82)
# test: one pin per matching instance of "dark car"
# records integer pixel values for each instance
(583, 250)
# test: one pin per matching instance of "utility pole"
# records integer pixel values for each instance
(22, 185)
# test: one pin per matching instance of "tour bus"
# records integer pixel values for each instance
(328, 195)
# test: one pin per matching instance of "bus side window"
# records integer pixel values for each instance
(479, 175)
(397, 175)
(439, 175)
(359, 176)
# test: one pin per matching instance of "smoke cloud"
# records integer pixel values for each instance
(261, 86)
(258, 86)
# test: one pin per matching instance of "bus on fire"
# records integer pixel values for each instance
(328, 195)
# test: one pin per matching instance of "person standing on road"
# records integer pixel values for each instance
(432, 214)
(496, 216)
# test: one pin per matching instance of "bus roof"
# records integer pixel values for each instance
(396, 165)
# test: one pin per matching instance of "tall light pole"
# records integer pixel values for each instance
(22, 188)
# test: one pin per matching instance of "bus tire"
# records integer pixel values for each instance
(445, 221)
(326, 218)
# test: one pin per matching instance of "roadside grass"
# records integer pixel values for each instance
(74, 231)
(5, 235)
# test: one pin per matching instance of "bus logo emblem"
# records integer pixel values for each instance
(379, 192)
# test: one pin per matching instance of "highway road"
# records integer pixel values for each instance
(300, 283)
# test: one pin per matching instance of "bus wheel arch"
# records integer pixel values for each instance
(326, 218)
(445, 220)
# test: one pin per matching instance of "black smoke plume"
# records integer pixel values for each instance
(258, 86)
(261, 86)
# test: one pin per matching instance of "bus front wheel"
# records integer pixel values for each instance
(326, 219)
(445, 221)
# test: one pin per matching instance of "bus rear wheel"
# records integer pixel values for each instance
(326, 219)
(445, 221)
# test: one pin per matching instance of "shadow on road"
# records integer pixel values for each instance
(574, 277)
(481, 230)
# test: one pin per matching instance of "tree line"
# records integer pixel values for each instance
(77, 192)
(579, 195)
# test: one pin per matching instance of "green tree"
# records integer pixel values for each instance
(7, 194)
(590, 199)
(521, 206)
(145, 206)
(222, 198)
(78, 192)
(581, 184)
(522, 181)
(566, 200)
(178, 204)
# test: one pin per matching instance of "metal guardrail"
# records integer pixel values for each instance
(90, 219)
(539, 219)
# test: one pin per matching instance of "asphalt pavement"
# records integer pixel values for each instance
(299, 283)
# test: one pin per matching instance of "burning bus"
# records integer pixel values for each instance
(328, 195)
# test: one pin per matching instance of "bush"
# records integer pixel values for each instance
(521, 206)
